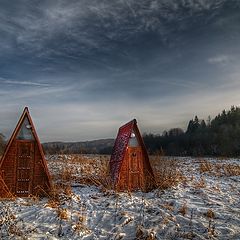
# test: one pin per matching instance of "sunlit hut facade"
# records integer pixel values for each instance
(23, 166)
(130, 168)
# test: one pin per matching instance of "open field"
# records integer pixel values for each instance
(202, 203)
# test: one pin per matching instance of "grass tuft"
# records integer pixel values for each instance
(166, 171)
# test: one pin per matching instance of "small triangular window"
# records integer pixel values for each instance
(25, 132)
(133, 141)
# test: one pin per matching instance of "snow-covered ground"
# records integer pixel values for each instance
(204, 205)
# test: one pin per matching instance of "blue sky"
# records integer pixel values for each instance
(85, 67)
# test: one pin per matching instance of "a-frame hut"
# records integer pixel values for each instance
(23, 166)
(130, 168)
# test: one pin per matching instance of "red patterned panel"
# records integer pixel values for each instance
(119, 149)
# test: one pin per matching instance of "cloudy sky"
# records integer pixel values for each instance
(85, 67)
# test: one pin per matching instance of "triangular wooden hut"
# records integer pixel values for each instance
(130, 168)
(23, 166)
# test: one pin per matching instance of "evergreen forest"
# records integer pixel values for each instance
(217, 137)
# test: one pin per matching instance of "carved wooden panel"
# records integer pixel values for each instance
(24, 167)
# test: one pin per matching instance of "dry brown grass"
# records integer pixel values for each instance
(183, 209)
(80, 225)
(100, 178)
(15, 231)
(68, 191)
(142, 234)
(231, 169)
(95, 171)
(66, 175)
(168, 206)
(34, 199)
(54, 199)
(219, 168)
(166, 171)
(205, 166)
(80, 159)
(209, 214)
(201, 183)
(52, 203)
(81, 169)
(62, 213)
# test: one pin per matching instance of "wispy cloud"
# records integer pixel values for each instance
(182, 83)
(220, 59)
(24, 83)
(92, 23)
(30, 95)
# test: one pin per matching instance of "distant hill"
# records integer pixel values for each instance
(101, 146)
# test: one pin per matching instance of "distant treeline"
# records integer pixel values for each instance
(101, 146)
(217, 137)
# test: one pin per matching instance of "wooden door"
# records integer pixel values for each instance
(24, 167)
(123, 178)
(135, 168)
